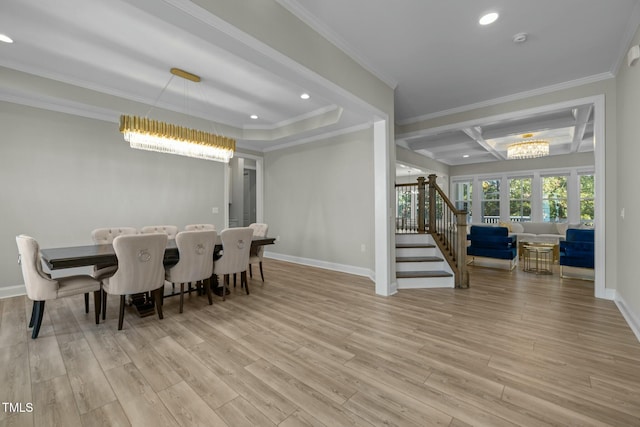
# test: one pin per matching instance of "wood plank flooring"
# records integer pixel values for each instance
(312, 347)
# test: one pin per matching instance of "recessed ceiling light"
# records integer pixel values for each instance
(305, 96)
(5, 38)
(489, 18)
(253, 117)
(465, 155)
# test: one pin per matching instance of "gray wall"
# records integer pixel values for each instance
(628, 236)
(319, 198)
(62, 176)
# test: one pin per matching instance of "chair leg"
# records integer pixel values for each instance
(261, 273)
(182, 295)
(121, 315)
(33, 314)
(234, 280)
(243, 279)
(225, 286)
(86, 302)
(104, 304)
(39, 307)
(158, 295)
(97, 303)
(207, 289)
(250, 271)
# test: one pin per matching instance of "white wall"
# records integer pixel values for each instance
(319, 198)
(62, 176)
(628, 236)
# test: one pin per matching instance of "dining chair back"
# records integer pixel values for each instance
(103, 236)
(140, 269)
(192, 227)
(169, 230)
(41, 287)
(236, 244)
(256, 255)
(196, 260)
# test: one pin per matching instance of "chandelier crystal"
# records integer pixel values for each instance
(153, 135)
(528, 149)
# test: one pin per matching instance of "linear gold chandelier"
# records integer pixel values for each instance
(528, 149)
(153, 135)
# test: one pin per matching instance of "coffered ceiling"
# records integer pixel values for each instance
(102, 58)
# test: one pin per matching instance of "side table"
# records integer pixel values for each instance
(537, 259)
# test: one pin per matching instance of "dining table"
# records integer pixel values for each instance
(104, 255)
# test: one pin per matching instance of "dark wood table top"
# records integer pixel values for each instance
(82, 256)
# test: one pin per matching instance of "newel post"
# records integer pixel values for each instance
(432, 203)
(462, 278)
(421, 200)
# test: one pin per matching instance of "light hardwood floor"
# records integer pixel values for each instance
(317, 348)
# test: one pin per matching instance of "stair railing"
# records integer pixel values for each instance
(425, 208)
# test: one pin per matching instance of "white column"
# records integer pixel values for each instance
(383, 218)
(259, 190)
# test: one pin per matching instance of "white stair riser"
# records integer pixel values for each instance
(425, 283)
(420, 266)
(404, 252)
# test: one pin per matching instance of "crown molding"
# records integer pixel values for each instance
(66, 106)
(627, 39)
(308, 18)
(509, 98)
(325, 135)
(316, 113)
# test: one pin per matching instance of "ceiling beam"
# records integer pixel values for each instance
(581, 114)
(526, 127)
(475, 133)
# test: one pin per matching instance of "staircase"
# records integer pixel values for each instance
(420, 264)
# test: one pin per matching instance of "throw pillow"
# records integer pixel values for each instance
(516, 227)
(562, 227)
(505, 224)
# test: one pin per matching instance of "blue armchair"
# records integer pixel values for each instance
(493, 242)
(578, 249)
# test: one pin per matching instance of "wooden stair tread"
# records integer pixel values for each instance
(414, 245)
(419, 274)
(419, 259)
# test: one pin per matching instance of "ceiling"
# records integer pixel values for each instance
(434, 53)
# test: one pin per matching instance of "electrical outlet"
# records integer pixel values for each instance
(215, 210)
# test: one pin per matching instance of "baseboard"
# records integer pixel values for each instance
(12, 291)
(633, 319)
(358, 271)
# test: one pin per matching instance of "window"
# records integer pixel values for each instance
(586, 198)
(520, 199)
(554, 199)
(462, 197)
(491, 201)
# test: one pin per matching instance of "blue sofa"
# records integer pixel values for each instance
(578, 249)
(493, 242)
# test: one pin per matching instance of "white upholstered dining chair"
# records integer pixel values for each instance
(169, 230)
(192, 227)
(236, 244)
(104, 236)
(41, 287)
(140, 269)
(255, 256)
(196, 261)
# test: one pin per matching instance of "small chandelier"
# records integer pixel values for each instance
(153, 135)
(528, 149)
